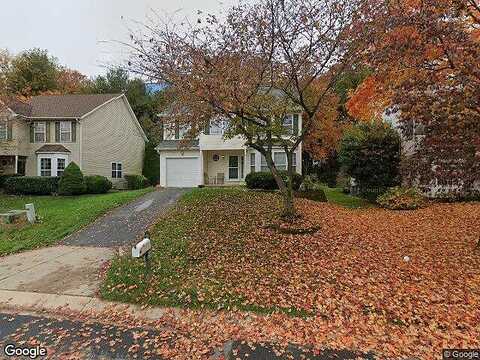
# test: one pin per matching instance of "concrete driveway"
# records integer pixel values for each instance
(73, 267)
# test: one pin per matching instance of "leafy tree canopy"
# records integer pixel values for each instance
(370, 153)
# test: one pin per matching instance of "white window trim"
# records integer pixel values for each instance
(41, 169)
(253, 164)
(116, 170)
(69, 132)
(294, 161)
(289, 127)
(231, 167)
(54, 162)
(44, 125)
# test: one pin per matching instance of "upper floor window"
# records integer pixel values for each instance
(3, 130)
(288, 124)
(116, 170)
(39, 132)
(65, 131)
(218, 127)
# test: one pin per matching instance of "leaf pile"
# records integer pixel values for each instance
(394, 282)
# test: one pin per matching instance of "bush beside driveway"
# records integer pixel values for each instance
(370, 278)
(58, 217)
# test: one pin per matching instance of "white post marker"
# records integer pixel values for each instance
(31, 216)
(142, 249)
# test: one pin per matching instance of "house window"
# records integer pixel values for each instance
(45, 167)
(252, 162)
(39, 132)
(280, 161)
(218, 127)
(65, 131)
(116, 170)
(60, 166)
(288, 124)
(263, 164)
(3, 130)
(233, 170)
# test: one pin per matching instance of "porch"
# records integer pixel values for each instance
(12, 164)
(223, 167)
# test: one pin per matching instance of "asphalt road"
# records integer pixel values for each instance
(126, 224)
(62, 338)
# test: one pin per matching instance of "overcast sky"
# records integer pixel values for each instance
(80, 32)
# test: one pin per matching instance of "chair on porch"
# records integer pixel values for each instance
(220, 178)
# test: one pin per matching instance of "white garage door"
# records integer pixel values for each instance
(183, 172)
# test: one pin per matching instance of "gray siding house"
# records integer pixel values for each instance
(98, 132)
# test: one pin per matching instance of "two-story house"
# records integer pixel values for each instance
(214, 160)
(99, 132)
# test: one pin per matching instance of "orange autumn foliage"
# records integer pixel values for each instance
(368, 101)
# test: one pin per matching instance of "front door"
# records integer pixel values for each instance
(51, 164)
(233, 168)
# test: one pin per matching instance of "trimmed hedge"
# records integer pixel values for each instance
(151, 164)
(4, 178)
(71, 182)
(97, 184)
(135, 182)
(400, 198)
(315, 195)
(32, 185)
(264, 180)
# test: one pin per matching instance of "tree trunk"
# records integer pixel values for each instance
(287, 193)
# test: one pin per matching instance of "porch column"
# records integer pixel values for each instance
(245, 163)
(16, 164)
(202, 176)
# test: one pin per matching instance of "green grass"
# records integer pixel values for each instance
(58, 217)
(175, 279)
(337, 196)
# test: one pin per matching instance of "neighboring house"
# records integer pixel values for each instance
(411, 139)
(214, 160)
(98, 132)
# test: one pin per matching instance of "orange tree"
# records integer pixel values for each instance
(425, 55)
(265, 60)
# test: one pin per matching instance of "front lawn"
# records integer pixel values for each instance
(405, 282)
(59, 216)
(337, 196)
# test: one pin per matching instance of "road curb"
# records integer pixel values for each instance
(42, 302)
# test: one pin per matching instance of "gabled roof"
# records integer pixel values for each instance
(52, 148)
(61, 106)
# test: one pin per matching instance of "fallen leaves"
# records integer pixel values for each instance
(348, 282)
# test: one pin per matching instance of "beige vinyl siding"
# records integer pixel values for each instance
(17, 145)
(32, 163)
(110, 134)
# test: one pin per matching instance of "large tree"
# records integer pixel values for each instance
(32, 72)
(426, 57)
(265, 60)
(144, 104)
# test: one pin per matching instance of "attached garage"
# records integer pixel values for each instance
(182, 171)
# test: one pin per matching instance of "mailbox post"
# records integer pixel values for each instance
(142, 249)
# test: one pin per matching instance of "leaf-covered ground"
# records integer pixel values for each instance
(397, 283)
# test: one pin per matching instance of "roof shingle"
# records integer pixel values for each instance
(62, 106)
